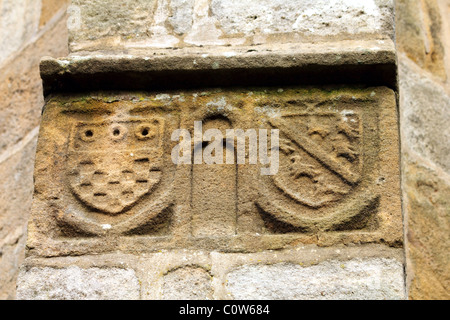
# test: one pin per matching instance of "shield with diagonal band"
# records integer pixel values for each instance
(320, 160)
(321, 169)
(112, 165)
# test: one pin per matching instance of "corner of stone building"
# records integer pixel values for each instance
(28, 31)
(424, 65)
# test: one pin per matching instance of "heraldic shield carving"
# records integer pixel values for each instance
(111, 167)
(325, 169)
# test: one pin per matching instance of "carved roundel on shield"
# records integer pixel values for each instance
(114, 172)
(325, 170)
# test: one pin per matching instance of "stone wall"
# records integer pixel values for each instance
(424, 64)
(208, 35)
(153, 24)
(307, 272)
(29, 29)
(119, 211)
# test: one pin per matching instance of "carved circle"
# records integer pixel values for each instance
(88, 134)
(145, 131)
(118, 132)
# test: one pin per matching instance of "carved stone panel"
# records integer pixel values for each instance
(106, 179)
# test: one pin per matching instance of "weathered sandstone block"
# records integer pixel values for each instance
(374, 279)
(106, 181)
(102, 25)
(306, 272)
(73, 283)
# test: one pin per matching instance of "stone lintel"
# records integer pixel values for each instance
(347, 62)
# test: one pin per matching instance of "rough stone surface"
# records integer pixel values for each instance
(424, 118)
(425, 112)
(188, 283)
(374, 279)
(16, 189)
(21, 86)
(96, 25)
(196, 274)
(20, 108)
(50, 8)
(19, 22)
(419, 34)
(424, 107)
(318, 18)
(182, 15)
(428, 219)
(73, 283)
(95, 19)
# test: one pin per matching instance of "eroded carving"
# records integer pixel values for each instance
(321, 164)
(319, 157)
(112, 165)
(114, 171)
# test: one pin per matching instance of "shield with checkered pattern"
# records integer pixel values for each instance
(112, 165)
